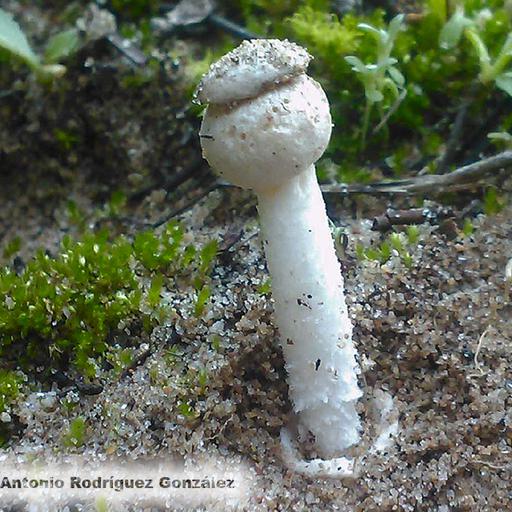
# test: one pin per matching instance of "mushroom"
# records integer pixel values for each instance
(265, 125)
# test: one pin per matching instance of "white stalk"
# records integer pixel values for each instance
(310, 310)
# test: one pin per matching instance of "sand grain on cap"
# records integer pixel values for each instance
(250, 68)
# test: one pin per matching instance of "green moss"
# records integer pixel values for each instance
(468, 228)
(493, 201)
(66, 139)
(101, 504)
(399, 243)
(12, 248)
(64, 312)
(202, 379)
(434, 78)
(120, 358)
(265, 288)
(202, 299)
(187, 411)
(10, 384)
(75, 437)
(216, 343)
(413, 235)
(324, 34)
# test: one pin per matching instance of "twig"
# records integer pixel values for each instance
(435, 183)
(184, 208)
(129, 50)
(231, 28)
(477, 351)
(139, 360)
(390, 112)
(492, 466)
(172, 182)
(391, 217)
(453, 144)
(476, 362)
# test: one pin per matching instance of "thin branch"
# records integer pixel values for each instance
(433, 183)
(457, 131)
(476, 362)
(129, 50)
(477, 351)
(390, 112)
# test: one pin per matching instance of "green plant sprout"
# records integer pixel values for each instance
(493, 202)
(503, 139)
(101, 504)
(12, 248)
(490, 71)
(75, 437)
(381, 77)
(10, 383)
(186, 410)
(396, 243)
(14, 42)
(468, 228)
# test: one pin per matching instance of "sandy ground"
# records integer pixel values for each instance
(435, 337)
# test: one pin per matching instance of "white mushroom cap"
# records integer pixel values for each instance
(262, 142)
(250, 68)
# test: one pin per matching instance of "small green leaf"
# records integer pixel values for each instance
(468, 227)
(375, 32)
(14, 40)
(12, 247)
(207, 255)
(117, 202)
(76, 434)
(202, 299)
(155, 289)
(396, 242)
(202, 378)
(413, 235)
(407, 259)
(493, 203)
(265, 287)
(374, 95)
(187, 410)
(504, 82)
(395, 26)
(397, 76)
(452, 31)
(357, 64)
(61, 46)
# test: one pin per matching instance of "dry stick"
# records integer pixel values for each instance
(129, 50)
(492, 466)
(457, 130)
(437, 183)
(141, 358)
(476, 362)
(477, 351)
(174, 181)
(184, 208)
(390, 112)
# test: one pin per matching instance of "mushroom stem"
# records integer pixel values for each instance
(310, 310)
